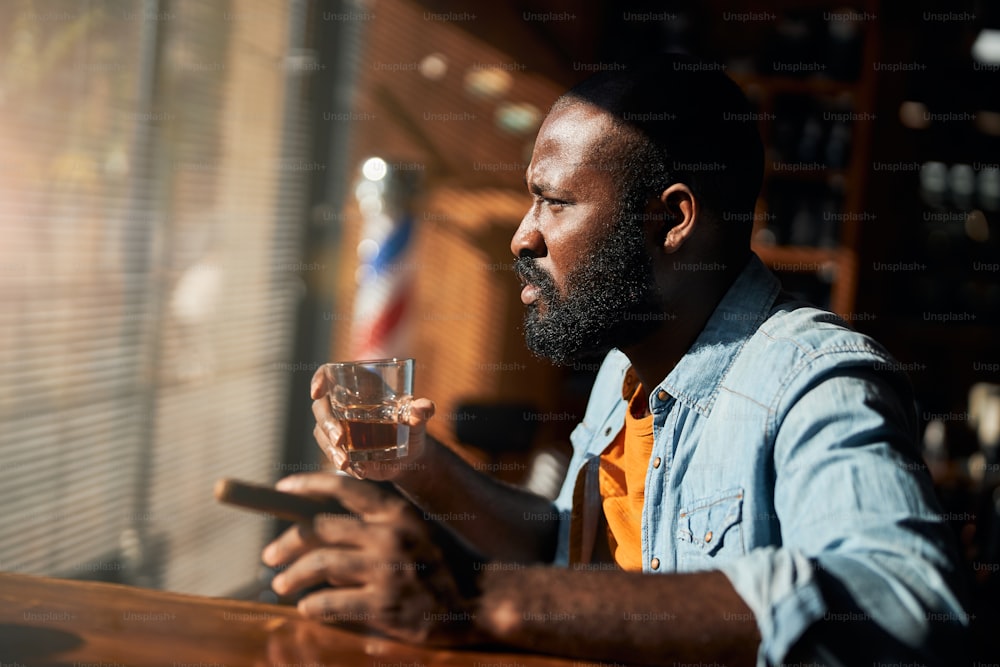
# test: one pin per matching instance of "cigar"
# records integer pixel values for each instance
(288, 506)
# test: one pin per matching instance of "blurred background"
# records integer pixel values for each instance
(201, 202)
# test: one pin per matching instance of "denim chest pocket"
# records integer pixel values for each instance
(711, 526)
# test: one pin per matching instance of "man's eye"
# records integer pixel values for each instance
(553, 204)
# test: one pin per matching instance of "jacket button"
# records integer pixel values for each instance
(655, 563)
(607, 431)
(656, 462)
(708, 537)
(662, 395)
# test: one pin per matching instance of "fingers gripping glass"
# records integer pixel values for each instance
(372, 399)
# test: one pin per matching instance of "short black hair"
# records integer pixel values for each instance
(682, 120)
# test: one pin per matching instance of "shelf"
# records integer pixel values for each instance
(787, 106)
(798, 259)
(835, 266)
(789, 85)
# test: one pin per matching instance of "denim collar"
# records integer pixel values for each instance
(696, 378)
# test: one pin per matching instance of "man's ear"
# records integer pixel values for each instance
(682, 215)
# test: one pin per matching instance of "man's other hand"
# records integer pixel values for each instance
(384, 570)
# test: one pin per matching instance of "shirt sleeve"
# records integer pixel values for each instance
(866, 571)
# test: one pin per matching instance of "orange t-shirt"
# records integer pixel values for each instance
(622, 481)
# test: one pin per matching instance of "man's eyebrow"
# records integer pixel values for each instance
(538, 187)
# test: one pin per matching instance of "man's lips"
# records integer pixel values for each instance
(534, 280)
(529, 294)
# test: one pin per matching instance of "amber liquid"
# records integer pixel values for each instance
(376, 440)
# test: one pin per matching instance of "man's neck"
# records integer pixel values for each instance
(655, 356)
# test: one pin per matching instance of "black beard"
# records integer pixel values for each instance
(611, 301)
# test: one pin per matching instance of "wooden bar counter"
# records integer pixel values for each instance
(52, 622)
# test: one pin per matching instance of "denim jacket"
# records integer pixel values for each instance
(784, 456)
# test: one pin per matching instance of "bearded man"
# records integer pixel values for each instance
(744, 488)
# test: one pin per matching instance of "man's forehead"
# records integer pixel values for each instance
(574, 136)
(576, 120)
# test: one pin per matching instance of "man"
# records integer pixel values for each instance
(744, 487)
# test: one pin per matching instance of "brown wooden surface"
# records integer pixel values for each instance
(49, 622)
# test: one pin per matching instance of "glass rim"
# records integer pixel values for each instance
(391, 361)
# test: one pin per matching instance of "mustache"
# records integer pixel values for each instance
(529, 272)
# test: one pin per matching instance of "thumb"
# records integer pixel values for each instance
(317, 386)
(421, 410)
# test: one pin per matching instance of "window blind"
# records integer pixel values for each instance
(153, 188)
(72, 339)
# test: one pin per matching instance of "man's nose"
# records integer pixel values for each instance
(527, 239)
